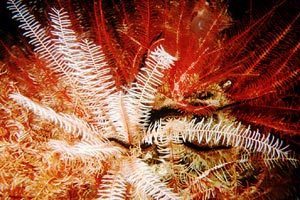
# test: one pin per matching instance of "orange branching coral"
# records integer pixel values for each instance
(149, 100)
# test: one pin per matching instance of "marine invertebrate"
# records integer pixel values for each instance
(84, 115)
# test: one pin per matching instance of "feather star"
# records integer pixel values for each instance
(110, 148)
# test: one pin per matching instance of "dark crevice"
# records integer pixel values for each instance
(205, 148)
